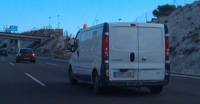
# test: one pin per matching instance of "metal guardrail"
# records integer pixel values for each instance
(185, 74)
(17, 36)
(52, 56)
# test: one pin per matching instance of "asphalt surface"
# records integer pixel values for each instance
(46, 82)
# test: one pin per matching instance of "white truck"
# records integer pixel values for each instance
(121, 54)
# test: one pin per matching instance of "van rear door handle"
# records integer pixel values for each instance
(132, 57)
(144, 59)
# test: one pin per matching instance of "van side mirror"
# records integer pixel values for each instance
(69, 48)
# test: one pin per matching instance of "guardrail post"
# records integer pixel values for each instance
(18, 43)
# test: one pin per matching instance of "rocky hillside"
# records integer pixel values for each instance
(184, 30)
(41, 32)
(56, 44)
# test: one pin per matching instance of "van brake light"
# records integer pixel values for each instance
(106, 48)
(167, 48)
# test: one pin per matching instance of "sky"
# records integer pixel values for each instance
(73, 14)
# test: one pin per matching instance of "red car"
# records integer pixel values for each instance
(25, 54)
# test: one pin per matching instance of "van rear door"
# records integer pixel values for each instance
(123, 52)
(151, 52)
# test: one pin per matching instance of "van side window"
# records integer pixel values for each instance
(76, 41)
(94, 34)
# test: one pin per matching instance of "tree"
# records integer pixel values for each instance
(4, 45)
(164, 10)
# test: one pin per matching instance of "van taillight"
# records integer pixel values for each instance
(167, 48)
(106, 48)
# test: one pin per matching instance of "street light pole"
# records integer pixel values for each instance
(97, 21)
(174, 2)
(120, 19)
(49, 22)
(146, 17)
(58, 22)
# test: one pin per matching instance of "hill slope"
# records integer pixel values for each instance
(184, 30)
(56, 44)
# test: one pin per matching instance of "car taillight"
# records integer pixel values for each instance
(167, 48)
(106, 48)
(33, 55)
(19, 54)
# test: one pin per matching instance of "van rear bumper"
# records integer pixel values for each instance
(104, 80)
(137, 83)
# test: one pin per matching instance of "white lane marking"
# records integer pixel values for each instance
(41, 58)
(11, 63)
(42, 84)
(184, 76)
(59, 60)
(51, 64)
(54, 59)
(3, 59)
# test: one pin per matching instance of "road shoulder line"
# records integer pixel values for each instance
(177, 75)
(51, 64)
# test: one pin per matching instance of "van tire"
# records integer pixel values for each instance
(96, 86)
(72, 81)
(156, 89)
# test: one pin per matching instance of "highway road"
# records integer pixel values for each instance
(46, 82)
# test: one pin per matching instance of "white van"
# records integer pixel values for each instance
(121, 54)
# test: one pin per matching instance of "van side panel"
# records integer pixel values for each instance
(90, 50)
(75, 58)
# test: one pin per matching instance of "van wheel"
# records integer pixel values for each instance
(71, 78)
(156, 89)
(96, 87)
(33, 61)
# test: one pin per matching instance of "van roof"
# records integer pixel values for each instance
(120, 23)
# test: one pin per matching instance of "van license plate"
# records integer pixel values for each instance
(26, 58)
(123, 74)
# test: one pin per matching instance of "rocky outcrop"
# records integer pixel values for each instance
(184, 30)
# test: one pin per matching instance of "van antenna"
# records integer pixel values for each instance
(95, 19)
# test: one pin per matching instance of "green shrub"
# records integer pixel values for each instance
(189, 18)
(189, 51)
(164, 10)
(194, 36)
(4, 45)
